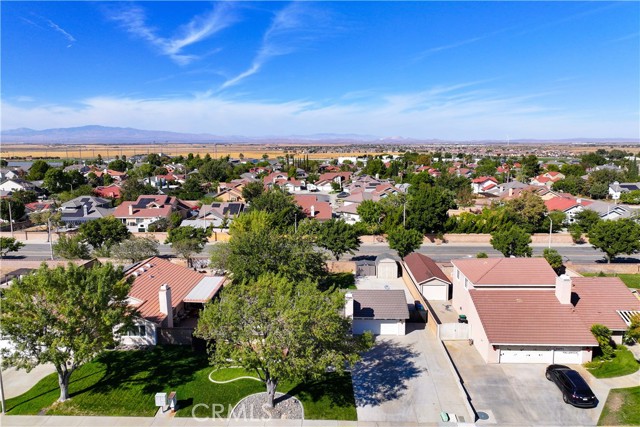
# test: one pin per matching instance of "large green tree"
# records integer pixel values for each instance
(427, 208)
(255, 252)
(283, 330)
(252, 190)
(370, 212)
(404, 241)
(615, 237)
(529, 211)
(281, 205)
(338, 237)
(71, 247)
(103, 232)
(187, 241)
(55, 180)
(37, 170)
(135, 249)
(9, 244)
(64, 316)
(512, 242)
(11, 209)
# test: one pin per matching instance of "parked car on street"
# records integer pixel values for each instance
(575, 390)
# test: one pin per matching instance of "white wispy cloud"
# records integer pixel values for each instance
(627, 37)
(134, 20)
(60, 30)
(292, 28)
(458, 112)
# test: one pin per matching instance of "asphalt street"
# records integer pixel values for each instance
(576, 253)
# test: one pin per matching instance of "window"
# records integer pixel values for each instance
(137, 331)
(457, 273)
(466, 283)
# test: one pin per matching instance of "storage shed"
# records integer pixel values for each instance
(386, 267)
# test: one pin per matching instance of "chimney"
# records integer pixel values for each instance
(131, 209)
(85, 210)
(510, 192)
(164, 297)
(312, 211)
(563, 289)
(348, 308)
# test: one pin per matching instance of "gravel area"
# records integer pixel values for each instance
(254, 407)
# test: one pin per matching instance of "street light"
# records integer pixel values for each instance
(550, 230)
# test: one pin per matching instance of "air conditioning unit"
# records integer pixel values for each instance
(162, 399)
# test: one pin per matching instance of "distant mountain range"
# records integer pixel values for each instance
(103, 134)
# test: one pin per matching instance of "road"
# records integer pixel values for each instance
(578, 254)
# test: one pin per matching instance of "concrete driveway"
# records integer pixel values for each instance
(407, 379)
(519, 394)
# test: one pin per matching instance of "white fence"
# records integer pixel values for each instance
(454, 331)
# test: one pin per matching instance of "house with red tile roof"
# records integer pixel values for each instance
(547, 179)
(113, 191)
(313, 207)
(147, 209)
(483, 184)
(168, 298)
(520, 311)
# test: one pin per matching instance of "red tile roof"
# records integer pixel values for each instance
(423, 268)
(162, 207)
(600, 297)
(507, 271)
(482, 179)
(529, 317)
(564, 203)
(157, 272)
(112, 190)
(322, 210)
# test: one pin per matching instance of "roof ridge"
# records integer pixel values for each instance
(498, 261)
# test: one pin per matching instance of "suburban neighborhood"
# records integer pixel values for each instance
(210, 264)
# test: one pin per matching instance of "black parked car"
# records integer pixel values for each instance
(575, 389)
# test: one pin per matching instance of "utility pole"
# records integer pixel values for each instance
(10, 219)
(550, 230)
(404, 214)
(50, 239)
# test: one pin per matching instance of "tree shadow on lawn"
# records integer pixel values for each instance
(150, 371)
(337, 388)
(383, 372)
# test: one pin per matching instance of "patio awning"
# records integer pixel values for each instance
(205, 290)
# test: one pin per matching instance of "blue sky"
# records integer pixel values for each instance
(452, 70)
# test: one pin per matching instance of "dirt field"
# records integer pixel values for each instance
(217, 150)
(88, 151)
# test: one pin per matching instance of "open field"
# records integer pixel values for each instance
(89, 151)
(315, 150)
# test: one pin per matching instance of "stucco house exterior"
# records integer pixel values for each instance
(147, 209)
(520, 311)
(382, 312)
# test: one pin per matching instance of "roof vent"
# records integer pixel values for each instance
(135, 274)
(148, 265)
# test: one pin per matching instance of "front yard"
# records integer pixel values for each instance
(621, 407)
(624, 363)
(123, 383)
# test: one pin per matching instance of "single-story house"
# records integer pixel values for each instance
(430, 280)
(520, 311)
(168, 298)
(383, 312)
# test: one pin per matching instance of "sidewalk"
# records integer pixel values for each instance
(84, 421)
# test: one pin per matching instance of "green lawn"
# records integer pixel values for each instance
(622, 407)
(624, 363)
(123, 383)
(631, 280)
(339, 280)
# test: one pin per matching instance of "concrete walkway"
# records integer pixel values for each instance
(20, 381)
(84, 421)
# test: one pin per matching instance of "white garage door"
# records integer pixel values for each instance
(567, 356)
(526, 355)
(377, 327)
